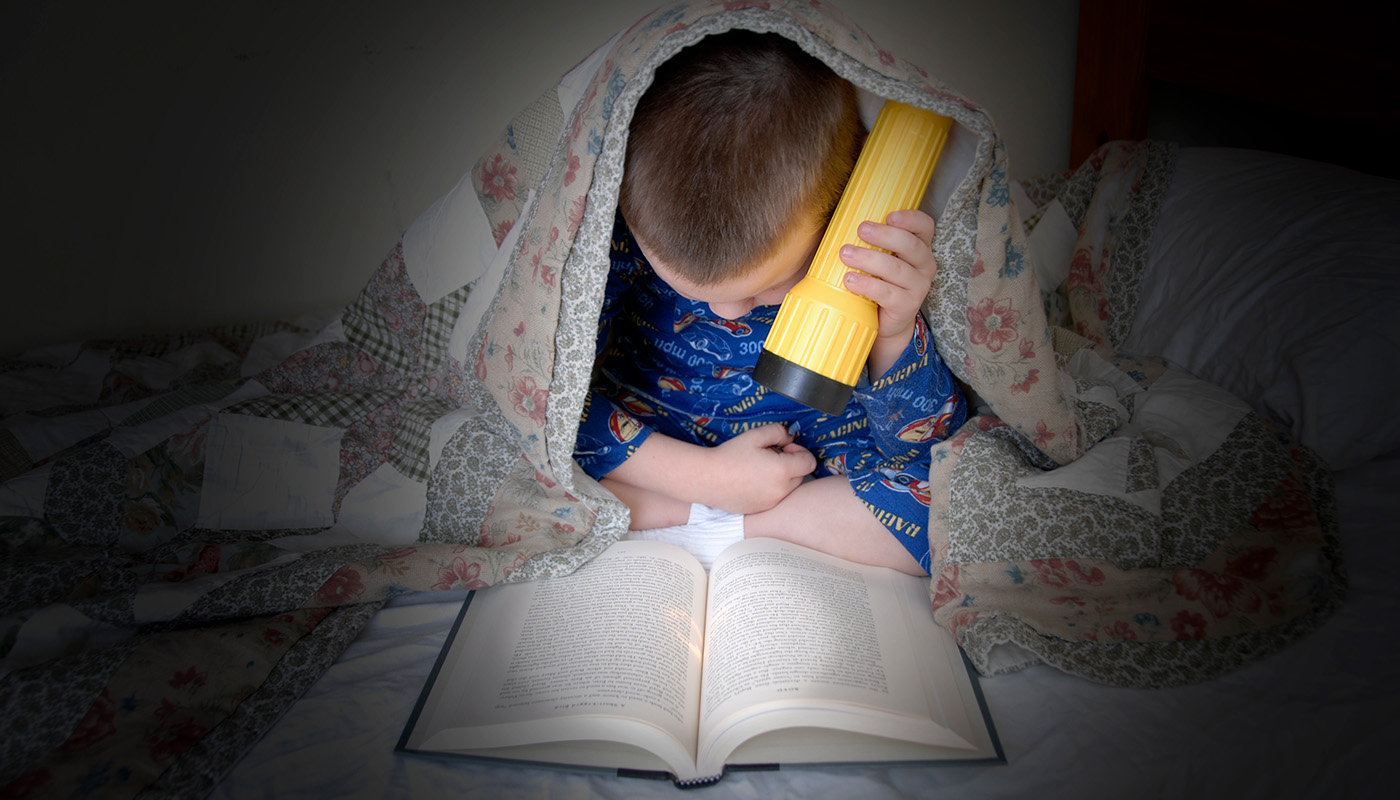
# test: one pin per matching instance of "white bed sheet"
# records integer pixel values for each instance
(1316, 720)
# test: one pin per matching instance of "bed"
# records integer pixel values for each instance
(232, 555)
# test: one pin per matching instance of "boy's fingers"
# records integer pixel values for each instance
(802, 461)
(887, 237)
(912, 247)
(920, 224)
(774, 434)
(876, 289)
(889, 269)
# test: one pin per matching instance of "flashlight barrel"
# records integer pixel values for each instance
(823, 333)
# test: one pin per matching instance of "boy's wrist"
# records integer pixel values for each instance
(886, 351)
(898, 339)
(892, 349)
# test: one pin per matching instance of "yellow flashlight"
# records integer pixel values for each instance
(823, 332)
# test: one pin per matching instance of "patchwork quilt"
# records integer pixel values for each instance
(194, 526)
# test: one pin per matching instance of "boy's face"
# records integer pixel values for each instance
(764, 284)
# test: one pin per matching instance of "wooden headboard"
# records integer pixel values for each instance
(1317, 80)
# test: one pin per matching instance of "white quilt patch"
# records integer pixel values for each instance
(266, 473)
(386, 507)
(449, 245)
(1183, 418)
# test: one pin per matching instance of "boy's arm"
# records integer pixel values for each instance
(913, 398)
(826, 515)
(752, 472)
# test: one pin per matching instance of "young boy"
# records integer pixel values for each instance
(737, 155)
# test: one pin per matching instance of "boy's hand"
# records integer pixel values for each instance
(755, 470)
(897, 281)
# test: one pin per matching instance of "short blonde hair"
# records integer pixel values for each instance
(740, 136)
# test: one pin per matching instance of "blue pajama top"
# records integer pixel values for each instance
(669, 364)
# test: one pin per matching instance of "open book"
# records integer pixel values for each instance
(639, 662)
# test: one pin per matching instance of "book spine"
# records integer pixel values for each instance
(696, 783)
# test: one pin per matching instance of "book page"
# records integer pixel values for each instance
(793, 629)
(621, 637)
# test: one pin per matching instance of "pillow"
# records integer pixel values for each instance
(1269, 276)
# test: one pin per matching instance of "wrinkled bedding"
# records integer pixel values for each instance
(196, 526)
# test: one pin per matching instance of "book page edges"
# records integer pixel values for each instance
(570, 735)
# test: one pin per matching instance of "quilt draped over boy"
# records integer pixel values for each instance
(176, 505)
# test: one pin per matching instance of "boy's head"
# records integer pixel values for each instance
(740, 147)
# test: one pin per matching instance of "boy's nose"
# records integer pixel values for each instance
(732, 310)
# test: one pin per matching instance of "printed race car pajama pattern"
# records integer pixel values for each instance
(668, 364)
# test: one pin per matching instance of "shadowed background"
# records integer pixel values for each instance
(177, 165)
